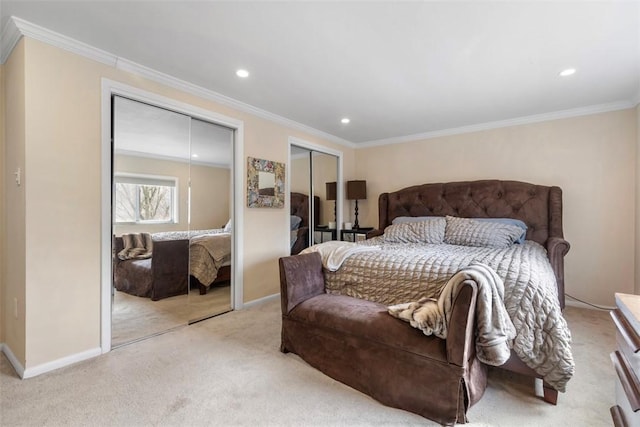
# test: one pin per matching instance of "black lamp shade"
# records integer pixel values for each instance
(356, 190)
(331, 191)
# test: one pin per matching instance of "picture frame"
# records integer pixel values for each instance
(265, 183)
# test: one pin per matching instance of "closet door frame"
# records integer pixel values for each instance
(339, 186)
(111, 88)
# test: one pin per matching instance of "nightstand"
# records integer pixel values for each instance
(355, 235)
(324, 234)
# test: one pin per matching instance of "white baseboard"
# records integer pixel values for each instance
(261, 300)
(578, 304)
(62, 362)
(12, 359)
(49, 366)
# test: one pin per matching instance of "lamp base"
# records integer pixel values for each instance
(355, 223)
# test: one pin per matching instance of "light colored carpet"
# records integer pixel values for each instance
(135, 317)
(228, 371)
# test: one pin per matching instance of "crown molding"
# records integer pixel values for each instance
(52, 38)
(555, 115)
(8, 39)
(17, 28)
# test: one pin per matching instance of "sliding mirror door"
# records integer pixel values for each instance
(150, 202)
(299, 202)
(171, 186)
(324, 173)
(210, 220)
(313, 178)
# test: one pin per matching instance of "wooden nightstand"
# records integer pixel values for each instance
(355, 235)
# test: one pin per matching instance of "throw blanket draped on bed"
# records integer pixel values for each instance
(136, 246)
(494, 329)
(335, 252)
(402, 272)
(207, 254)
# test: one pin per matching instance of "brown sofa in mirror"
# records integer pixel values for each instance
(299, 206)
(166, 273)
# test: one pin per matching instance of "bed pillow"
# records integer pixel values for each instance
(426, 231)
(470, 232)
(403, 219)
(227, 227)
(511, 221)
(295, 222)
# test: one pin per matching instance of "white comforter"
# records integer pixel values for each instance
(406, 272)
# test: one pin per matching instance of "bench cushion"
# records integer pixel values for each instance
(370, 321)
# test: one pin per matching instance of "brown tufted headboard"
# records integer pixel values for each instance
(300, 207)
(540, 207)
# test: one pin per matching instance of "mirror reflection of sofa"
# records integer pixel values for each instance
(166, 273)
(300, 207)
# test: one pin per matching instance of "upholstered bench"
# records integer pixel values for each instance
(356, 342)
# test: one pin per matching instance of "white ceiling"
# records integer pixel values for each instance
(393, 68)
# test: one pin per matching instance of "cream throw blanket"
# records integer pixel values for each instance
(218, 245)
(494, 329)
(335, 252)
(136, 246)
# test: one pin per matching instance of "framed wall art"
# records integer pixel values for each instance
(265, 183)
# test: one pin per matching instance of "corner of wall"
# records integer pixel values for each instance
(637, 205)
(2, 169)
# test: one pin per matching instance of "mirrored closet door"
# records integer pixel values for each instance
(313, 185)
(171, 194)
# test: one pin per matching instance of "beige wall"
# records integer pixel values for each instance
(63, 200)
(210, 193)
(592, 158)
(13, 273)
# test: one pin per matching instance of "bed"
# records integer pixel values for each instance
(533, 271)
(299, 207)
(210, 259)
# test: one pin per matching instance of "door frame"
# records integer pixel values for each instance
(112, 87)
(339, 186)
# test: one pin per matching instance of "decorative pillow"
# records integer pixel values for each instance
(470, 232)
(403, 219)
(227, 227)
(295, 222)
(425, 231)
(511, 221)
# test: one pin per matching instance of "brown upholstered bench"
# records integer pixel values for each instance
(356, 342)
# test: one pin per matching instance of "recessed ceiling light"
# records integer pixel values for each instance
(242, 73)
(345, 120)
(567, 72)
(195, 156)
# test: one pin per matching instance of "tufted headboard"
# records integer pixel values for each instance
(300, 207)
(540, 207)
